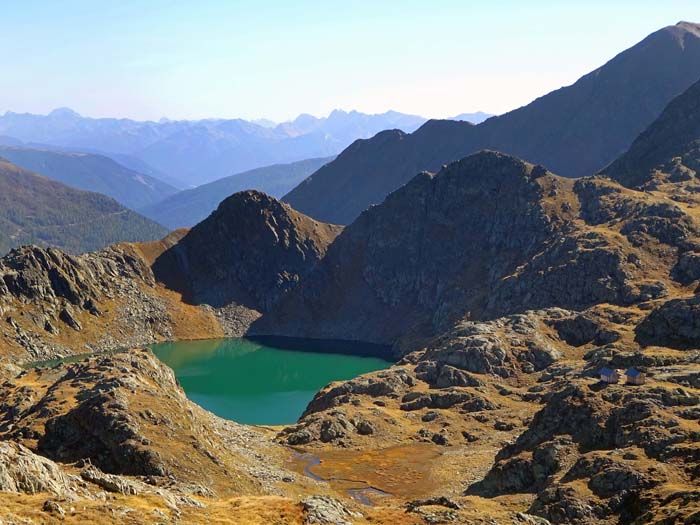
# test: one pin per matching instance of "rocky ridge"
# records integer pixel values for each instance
(402, 273)
(54, 304)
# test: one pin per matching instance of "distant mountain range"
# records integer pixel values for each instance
(474, 118)
(191, 153)
(38, 210)
(188, 207)
(574, 131)
(92, 173)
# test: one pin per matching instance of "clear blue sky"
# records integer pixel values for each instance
(275, 59)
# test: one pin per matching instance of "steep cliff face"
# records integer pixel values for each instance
(485, 237)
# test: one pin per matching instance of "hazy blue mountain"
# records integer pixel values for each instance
(37, 210)
(573, 131)
(138, 165)
(339, 123)
(89, 172)
(191, 153)
(10, 141)
(189, 207)
(265, 123)
(128, 161)
(475, 118)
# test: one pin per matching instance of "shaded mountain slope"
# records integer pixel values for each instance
(574, 131)
(90, 172)
(438, 249)
(38, 210)
(669, 150)
(188, 207)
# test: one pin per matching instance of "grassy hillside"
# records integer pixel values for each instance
(91, 172)
(38, 210)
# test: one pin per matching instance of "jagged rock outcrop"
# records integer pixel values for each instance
(48, 275)
(23, 471)
(595, 435)
(324, 510)
(54, 304)
(675, 324)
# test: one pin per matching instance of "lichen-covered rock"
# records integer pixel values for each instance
(393, 381)
(23, 471)
(111, 482)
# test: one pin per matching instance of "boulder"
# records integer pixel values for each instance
(324, 510)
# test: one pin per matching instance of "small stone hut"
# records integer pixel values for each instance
(609, 375)
(634, 377)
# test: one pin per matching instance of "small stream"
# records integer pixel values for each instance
(359, 494)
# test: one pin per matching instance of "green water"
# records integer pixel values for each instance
(258, 384)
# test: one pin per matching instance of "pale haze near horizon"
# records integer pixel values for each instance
(240, 59)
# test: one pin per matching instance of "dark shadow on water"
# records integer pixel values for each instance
(325, 346)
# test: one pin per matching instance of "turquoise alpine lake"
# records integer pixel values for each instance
(266, 382)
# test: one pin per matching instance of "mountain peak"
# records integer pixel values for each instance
(243, 223)
(681, 31)
(689, 26)
(339, 113)
(64, 112)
